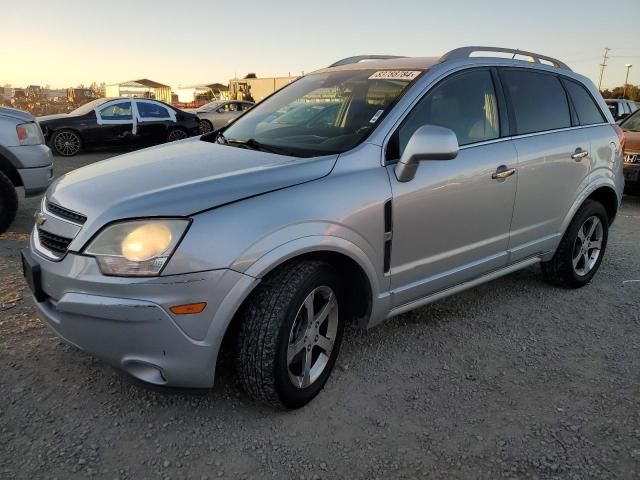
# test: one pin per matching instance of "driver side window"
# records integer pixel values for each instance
(465, 103)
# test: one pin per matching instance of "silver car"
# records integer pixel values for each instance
(25, 161)
(215, 115)
(436, 175)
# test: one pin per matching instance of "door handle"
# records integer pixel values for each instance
(503, 172)
(579, 154)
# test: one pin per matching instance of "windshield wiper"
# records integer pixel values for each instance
(253, 144)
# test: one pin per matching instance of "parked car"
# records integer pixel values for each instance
(438, 174)
(621, 108)
(117, 122)
(631, 127)
(215, 115)
(25, 161)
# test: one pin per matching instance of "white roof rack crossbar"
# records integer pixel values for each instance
(360, 58)
(465, 52)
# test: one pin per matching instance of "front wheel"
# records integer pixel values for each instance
(582, 248)
(289, 334)
(66, 143)
(205, 126)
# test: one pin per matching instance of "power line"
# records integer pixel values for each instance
(603, 65)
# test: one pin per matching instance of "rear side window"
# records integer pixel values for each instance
(586, 108)
(465, 103)
(152, 110)
(538, 101)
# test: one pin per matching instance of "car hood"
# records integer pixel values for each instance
(17, 114)
(179, 179)
(631, 141)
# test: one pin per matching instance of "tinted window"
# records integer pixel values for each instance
(586, 108)
(245, 106)
(465, 103)
(152, 110)
(538, 100)
(117, 111)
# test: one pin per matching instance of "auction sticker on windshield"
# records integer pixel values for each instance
(395, 75)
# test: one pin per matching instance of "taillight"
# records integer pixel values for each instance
(620, 133)
(29, 134)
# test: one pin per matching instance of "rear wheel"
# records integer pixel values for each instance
(290, 333)
(8, 203)
(66, 143)
(582, 248)
(176, 134)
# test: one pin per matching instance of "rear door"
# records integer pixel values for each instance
(554, 159)
(154, 120)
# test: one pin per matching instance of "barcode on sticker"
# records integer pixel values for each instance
(395, 75)
(376, 116)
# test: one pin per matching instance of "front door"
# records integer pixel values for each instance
(115, 124)
(451, 222)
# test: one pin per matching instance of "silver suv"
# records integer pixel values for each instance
(25, 161)
(434, 175)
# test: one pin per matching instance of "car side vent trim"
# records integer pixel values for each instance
(388, 234)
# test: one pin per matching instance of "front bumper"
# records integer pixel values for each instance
(36, 167)
(127, 321)
(632, 177)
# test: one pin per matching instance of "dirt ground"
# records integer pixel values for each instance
(513, 379)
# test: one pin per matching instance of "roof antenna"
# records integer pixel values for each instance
(516, 52)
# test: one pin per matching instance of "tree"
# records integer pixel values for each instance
(633, 92)
(250, 75)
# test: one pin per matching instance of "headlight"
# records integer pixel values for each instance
(29, 134)
(136, 248)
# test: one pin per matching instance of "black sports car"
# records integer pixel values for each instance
(121, 122)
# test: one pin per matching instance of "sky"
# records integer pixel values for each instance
(66, 43)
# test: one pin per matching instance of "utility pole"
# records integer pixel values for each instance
(626, 80)
(603, 65)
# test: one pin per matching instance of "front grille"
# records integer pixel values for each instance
(54, 243)
(67, 214)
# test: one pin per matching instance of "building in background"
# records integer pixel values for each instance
(143, 88)
(201, 93)
(256, 89)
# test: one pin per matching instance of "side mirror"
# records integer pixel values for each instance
(429, 142)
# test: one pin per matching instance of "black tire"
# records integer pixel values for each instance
(205, 126)
(8, 203)
(66, 142)
(176, 134)
(560, 270)
(265, 322)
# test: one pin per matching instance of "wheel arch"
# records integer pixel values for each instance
(353, 267)
(603, 191)
(8, 168)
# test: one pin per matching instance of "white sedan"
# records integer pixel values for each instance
(217, 114)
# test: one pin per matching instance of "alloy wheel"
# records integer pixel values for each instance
(312, 337)
(205, 126)
(176, 135)
(67, 143)
(587, 246)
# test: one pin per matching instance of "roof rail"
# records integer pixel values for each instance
(360, 58)
(465, 52)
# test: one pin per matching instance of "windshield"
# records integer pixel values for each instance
(209, 106)
(322, 113)
(632, 122)
(87, 107)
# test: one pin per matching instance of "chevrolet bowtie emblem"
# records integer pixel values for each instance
(40, 218)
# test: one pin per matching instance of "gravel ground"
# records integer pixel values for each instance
(513, 379)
